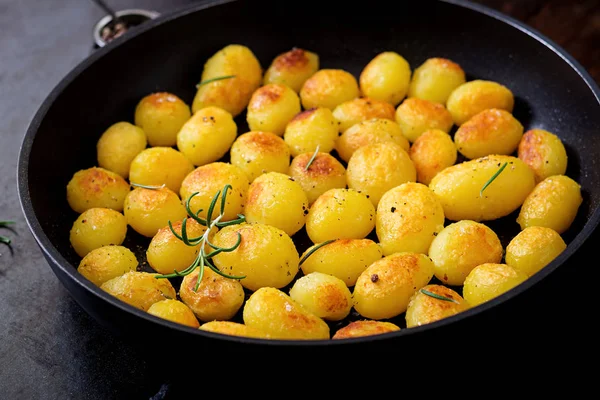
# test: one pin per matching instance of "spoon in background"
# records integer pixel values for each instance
(116, 27)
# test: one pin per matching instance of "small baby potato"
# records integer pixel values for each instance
(95, 228)
(161, 115)
(384, 289)
(258, 152)
(310, 130)
(107, 262)
(174, 311)
(376, 168)
(233, 329)
(553, 203)
(340, 214)
(435, 79)
(533, 248)
(365, 328)
(96, 187)
(139, 289)
(148, 210)
(292, 68)
(544, 152)
(386, 77)
(463, 193)
(166, 253)
(433, 151)
(345, 259)
(371, 131)
(460, 247)
(409, 217)
(231, 94)
(492, 131)
(426, 306)
(416, 116)
(328, 88)
(207, 135)
(324, 295)
(276, 199)
(211, 178)
(274, 312)
(266, 256)
(490, 280)
(118, 146)
(323, 173)
(353, 111)
(472, 97)
(271, 107)
(156, 166)
(217, 298)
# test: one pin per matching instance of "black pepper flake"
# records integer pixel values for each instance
(374, 278)
(393, 209)
(305, 212)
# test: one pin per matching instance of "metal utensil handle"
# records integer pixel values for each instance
(107, 9)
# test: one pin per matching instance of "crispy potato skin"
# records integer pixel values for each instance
(365, 328)
(472, 97)
(324, 295)
(310, 130)
(258, 152)
(292, 68)
(435, 79)
(386, 77)
(95, 228)
(174, 311)
(234, 329)
(353, 111)
(107, 262)
(544, 152)
(424, 309)
(271, 107)
(148, 210)
(490, 280)
(416, 116)
(156, 166)
(118, 146)
(96, 187)
(161, 115)
(139, 289)
(324, 172)
(533, 248)
(328, 88)
(433, 151)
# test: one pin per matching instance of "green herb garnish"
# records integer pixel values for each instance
(218, 78)
(6, 223)
(492, 178)
(4, 239)
(312, 159)
(315, 248)
(150, 187)
(438, 296)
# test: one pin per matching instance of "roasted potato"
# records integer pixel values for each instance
(544, 152)
(96, 187)
(233, 329)
(435, 79)
(139, 289)
(431, 152)
(324, 172)
(311, 130)
(157, 166)
(107, 262)
(433, 303)
(386, 77)
(271, 107)
(490, 280)
(292, 68)
(324, 295)
(360, 109)
(118, 146)
(416, 116)
(258, 152)
(148, 210)
(161, 115)
(533, 248)
(472, 97)
(174, 311)
(328, 88)
(365, 328)
(95, 228)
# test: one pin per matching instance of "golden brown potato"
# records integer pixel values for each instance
(409, 216)
(292, 68)
(365, 328)
(323, 173)
(233, 329)
(376, 168)
(384, 289)
(371, 131)
(416, 116)
(271, 107)
(148, 210)
(360, 109)
(435, 79)
(217, 298)
(386, 77)
(107, 262)
(533, 248)
(553, 203)
(311, 130)
(211, 178)
(118, 146)
(274, 312)
(96, 187)
(161, 115)
(139, 289)
(156, 166)
(174, 311)
(490, 280)
(433, 151)
(472, 97)
(259, 152)
(460, 247)
(328, 88)
(207, 135)
(491, 131)
(324, 295)
(95, 228)
(433, 303)
(232, 94)
(544, 152)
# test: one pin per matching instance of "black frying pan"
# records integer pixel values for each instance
(167, 54)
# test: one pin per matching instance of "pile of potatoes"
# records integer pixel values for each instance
(392, 175)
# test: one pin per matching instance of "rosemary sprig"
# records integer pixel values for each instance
(4, 239)
(312, 159)
(492, 178)
(203, 258)
(151, 187)
(317, 247)
(218, 78)
(438, 296)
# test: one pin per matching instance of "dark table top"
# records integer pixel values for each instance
(49, 347)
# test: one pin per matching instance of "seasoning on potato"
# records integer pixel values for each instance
(433, 303)
(271, 107)
(258, 152)
(292, 68)
(386, 77)
(317, 173)
(490, 280)
(233, 329)
(310, 130)
(96, 187)
(118, 146)
(433, 151)
(533, 248)
(363, 328)
(161, 115)
(324, 295)
(472, 97)
(544, 152)
(156, 166)
(328, 88)
(97, 227)
(360, 109)
(435, 79)
(207, 136)
(174, 311)
(416, 116)
(107, 262)
(139, 289)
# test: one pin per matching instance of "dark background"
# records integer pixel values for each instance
(51, 349)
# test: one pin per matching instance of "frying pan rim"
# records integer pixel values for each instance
(58, 261)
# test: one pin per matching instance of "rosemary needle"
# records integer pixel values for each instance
(6, 223)
(492, 178)
(151, 187)
(438, 296)
(315, 248)
(312, 159)
(218, 78)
